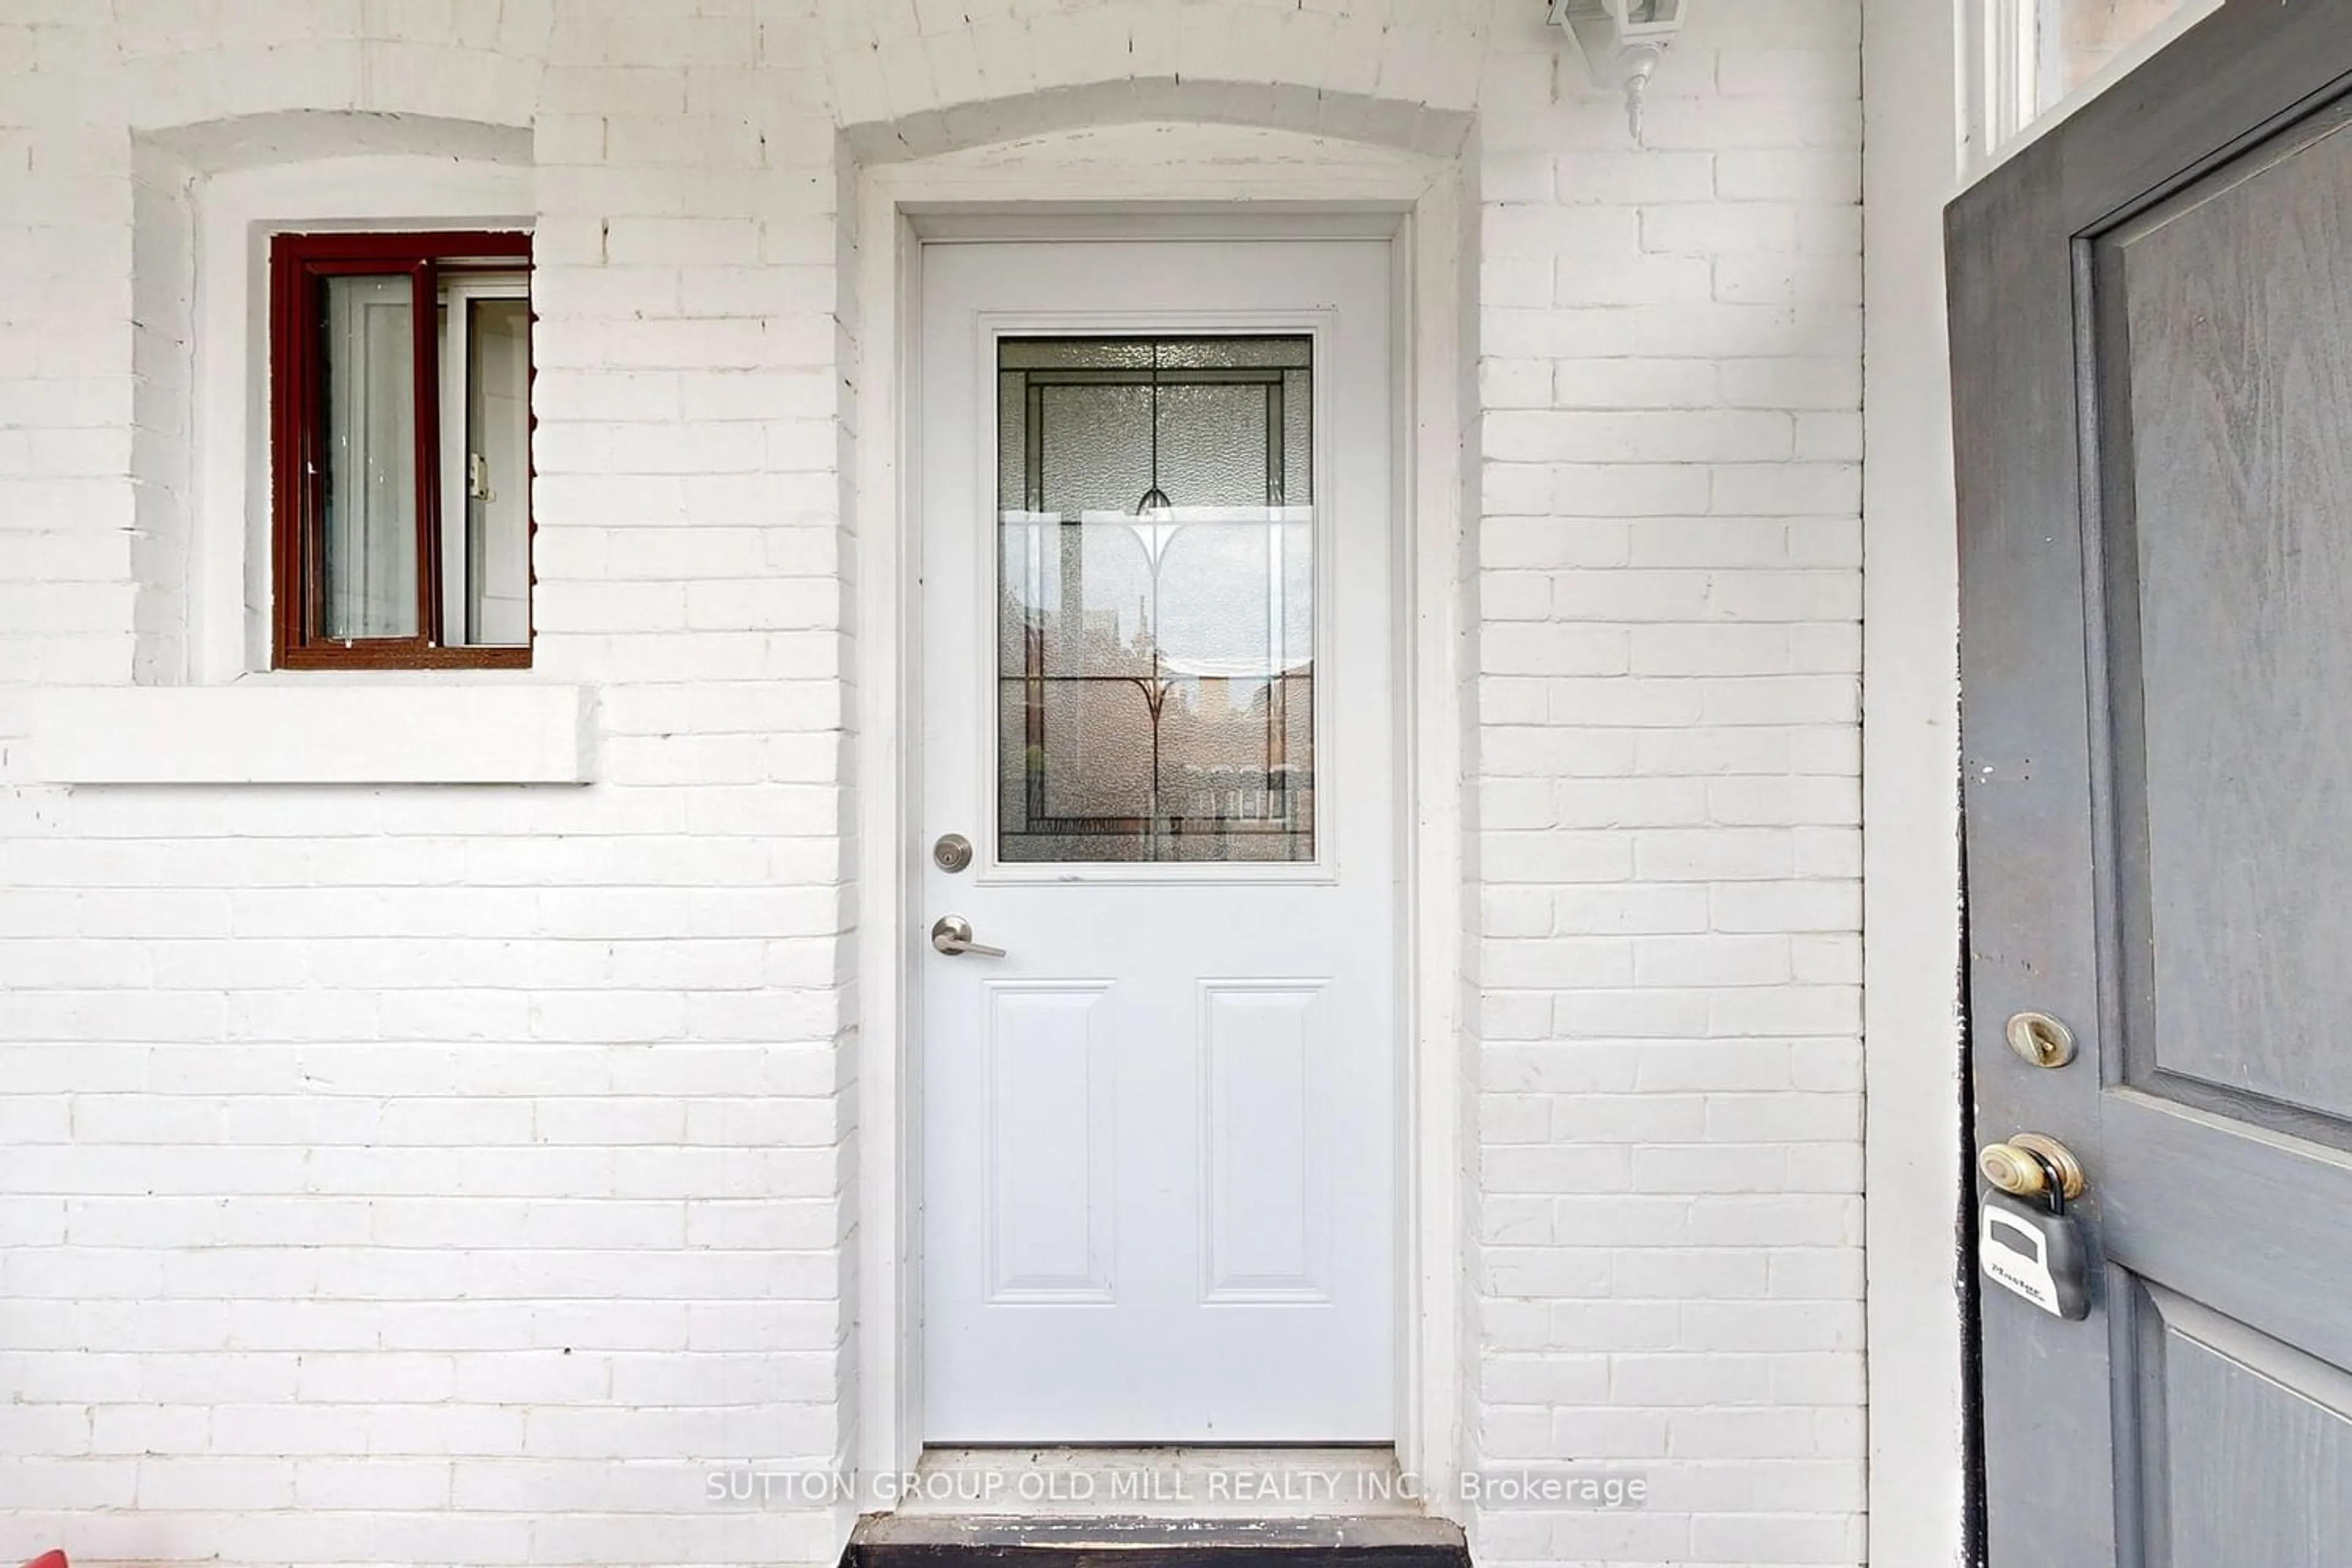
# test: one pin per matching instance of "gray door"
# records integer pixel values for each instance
(2152, 331)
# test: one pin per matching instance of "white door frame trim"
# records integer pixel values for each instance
(1915, 80)
(1193, 186)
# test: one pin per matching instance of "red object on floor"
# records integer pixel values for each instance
(49, 1559)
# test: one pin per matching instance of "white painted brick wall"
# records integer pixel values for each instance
(446, 1175)
(1670, 1274)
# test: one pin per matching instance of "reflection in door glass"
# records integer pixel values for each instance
(1156, 606)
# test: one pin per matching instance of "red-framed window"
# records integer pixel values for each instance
(400, 455)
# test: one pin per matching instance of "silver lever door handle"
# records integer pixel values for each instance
(951, 934)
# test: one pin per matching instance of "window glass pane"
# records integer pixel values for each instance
(497, 472)
(367, 549)
(2075, 39)
(1155, 637)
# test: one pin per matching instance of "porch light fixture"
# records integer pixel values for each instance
(1620, 43)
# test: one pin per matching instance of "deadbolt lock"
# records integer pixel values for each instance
(2040, 1039)
(952, 853)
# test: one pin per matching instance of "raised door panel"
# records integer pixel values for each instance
(2222, 349)
(1052, 1144)
(2230, 453)
(2247, 1443)
(1265, 1140)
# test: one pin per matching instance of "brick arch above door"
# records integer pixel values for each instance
(912, 94)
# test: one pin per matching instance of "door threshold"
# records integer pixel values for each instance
(897, 1541)
(1048, 1483)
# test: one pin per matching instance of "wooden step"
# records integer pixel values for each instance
(909, 1540)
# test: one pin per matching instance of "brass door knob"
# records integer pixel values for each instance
(2012, 1166)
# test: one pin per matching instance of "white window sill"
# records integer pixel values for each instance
(288, 730)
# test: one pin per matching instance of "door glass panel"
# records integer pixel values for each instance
(1156, 607)
(368, 536)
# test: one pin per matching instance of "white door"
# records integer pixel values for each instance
(1159, 1177)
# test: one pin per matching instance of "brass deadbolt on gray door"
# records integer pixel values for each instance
(2040, 1039)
